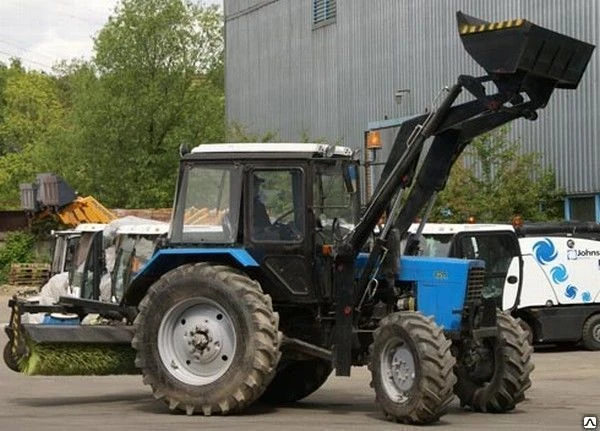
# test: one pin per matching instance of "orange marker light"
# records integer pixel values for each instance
(373, 140)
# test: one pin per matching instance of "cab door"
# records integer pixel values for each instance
(276, 228)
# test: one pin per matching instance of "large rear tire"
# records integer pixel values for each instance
(296, 379)
(207, 339)
(497, 379)
(411, 366)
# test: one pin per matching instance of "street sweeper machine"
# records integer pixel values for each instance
(284, 278)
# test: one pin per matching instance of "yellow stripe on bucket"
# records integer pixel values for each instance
(470, 29)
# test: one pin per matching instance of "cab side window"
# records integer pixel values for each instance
(277, 205)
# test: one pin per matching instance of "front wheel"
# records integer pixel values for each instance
(207, 339)
(411, 366)
(494, 373)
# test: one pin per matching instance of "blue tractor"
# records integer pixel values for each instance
(273, 274)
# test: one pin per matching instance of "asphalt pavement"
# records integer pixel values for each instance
(566, 388)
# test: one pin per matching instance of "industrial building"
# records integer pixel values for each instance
(328, 69)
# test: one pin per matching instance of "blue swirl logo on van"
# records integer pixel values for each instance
(586, 296)
(545, 251)
(559, 274)
(571, 291)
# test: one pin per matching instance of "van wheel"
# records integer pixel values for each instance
(591, 333)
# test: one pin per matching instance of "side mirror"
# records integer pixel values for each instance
(350, 178)
(336, 230)
(320, 222)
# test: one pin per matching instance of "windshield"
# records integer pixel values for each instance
(436, 245)
(497, 250)
(332, 197)
(208, 204)
(133, 253)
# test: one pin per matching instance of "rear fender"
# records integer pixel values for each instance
(165, 260)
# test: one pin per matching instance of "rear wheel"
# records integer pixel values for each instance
(411, 366)
(207, 339)
(296, 379)
(591, 333)
(493, 374)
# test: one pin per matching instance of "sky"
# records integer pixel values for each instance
(42, 32)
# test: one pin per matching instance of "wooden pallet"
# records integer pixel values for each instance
(29, 274)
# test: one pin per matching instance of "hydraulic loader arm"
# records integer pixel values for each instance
(525, 63)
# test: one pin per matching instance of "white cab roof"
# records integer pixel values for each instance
(143, 229)
(90, 227)
(269, 147)
(64, 232)
(454, 228)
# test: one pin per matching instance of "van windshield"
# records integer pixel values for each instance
(436, 245)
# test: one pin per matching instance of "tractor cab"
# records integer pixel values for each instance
(280, 203)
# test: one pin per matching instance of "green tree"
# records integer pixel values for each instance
(33, 124)
(494, 181)
(155, 83)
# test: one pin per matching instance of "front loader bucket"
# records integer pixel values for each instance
(519, 47)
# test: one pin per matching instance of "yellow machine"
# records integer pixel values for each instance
(84, 210)
(51, 195)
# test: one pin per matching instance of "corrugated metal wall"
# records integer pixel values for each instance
(282, 75)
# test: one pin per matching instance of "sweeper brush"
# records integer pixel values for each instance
(67, 350)
(77, 360)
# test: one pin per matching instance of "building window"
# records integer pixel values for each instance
(324, 12)
(582, 209)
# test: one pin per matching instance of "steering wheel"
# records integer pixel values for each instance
(283, 215)
(287, 230)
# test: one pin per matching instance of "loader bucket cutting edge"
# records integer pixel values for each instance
(519, 46)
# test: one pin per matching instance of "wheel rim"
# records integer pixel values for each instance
(596, 333)
(197, 341)
(398, 371)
